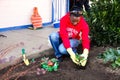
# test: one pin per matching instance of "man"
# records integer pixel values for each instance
(81, 3)
(73, 28)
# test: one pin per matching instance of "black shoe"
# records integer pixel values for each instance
(60, 59)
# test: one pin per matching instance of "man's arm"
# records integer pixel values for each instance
(87, 6)
(85, 42)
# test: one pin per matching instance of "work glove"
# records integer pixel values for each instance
(72, 55)
(85, 56)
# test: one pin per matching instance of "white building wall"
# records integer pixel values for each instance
(18, 12)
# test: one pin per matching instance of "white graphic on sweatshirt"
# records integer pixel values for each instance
(71, 32)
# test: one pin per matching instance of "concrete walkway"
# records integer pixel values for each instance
(33, 41)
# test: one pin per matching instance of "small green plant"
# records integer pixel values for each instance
(79, 58)
(111, 56)
(49, 64)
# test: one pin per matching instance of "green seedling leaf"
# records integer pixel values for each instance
(49, 64)
(54, 60)
(55, 67)
(117, 61)
(114, 65)
(113, 56)
(79, 58)
(108, 55)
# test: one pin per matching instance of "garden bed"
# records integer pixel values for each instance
(95, 69)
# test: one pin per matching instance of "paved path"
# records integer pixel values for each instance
(33, 41)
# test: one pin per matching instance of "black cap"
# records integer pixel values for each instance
(76, 11)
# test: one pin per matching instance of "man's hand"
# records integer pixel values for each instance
(72, 56)
(85, 56)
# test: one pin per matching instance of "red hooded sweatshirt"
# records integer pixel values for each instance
(70, 31)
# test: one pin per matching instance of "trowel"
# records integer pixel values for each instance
(26, 61)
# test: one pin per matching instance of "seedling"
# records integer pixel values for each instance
(49, 64)
(79, 58)
(111, 56)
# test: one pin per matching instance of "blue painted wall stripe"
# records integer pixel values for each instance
(22, 27)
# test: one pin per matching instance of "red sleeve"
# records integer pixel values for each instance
(85, 35)
(63, 31)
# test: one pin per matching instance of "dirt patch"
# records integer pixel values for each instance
(95, 69)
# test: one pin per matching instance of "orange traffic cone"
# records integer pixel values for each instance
(36, 19)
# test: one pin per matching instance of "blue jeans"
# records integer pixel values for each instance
(58, 46)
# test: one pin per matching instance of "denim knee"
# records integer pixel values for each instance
(54, 36)
(62, 49)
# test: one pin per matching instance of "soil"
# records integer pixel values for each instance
(94, 70)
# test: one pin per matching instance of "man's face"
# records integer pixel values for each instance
(74, 20)
(75, 16)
